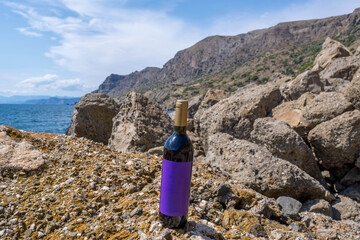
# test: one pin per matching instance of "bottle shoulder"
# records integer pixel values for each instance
(177, 140)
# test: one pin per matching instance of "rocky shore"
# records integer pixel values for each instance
(273, 161)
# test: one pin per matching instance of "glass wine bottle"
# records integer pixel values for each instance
(176, 172)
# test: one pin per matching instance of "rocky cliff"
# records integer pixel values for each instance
(217, 53)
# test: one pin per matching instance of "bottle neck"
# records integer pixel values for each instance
(180, 129)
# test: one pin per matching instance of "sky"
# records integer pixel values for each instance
(69, 47)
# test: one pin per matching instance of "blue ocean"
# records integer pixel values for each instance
(37, 118)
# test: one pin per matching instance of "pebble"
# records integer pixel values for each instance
(32, 227)
(101, 235)
(13, 221)
(28, 233)
(166, 234)
(70, 180)
(136, 212)
(203, 204)
(40, 234)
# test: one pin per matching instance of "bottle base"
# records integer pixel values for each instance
(172, 222)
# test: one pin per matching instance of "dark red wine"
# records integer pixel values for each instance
(176, 172)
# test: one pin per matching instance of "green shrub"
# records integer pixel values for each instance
(239, 84)
(262, 80)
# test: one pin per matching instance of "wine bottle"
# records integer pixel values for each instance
(176, 172)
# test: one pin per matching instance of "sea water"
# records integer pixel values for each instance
(37, 118)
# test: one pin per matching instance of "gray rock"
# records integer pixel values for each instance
(345, 208)
(337, 142)
(353, 192)
(331, 49)
(336, 85)
(225, 195)
(308, 81)
(235, 115)
(290, 112)
(353, 176)
(289, 206)
(343, 68)
(212, 97)
(166, 234)
(318, 206)
(156, 150)
(19, 155)
(352, 91)
(283, 142)
(324, 107)
(254, 167)
(140, 125)
(40, 234)
(28, 233)
(92, 117)
(194, 104)
(136, 212)
(13, 221)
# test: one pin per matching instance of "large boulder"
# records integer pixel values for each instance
(194, 104)
(212, 97)
(310, 110)
(140, 125)
(236, 114)
(353, 176)
(308, 81)
(336, 84)
(337, 142)
(331, 49)
(324, 107)
(353, 192)
(290, 112)
(352, 91)
(18, 154)
(344, 68)
(253, 166)
(92, 117)
(318, 206)
(283, 142)
(345, 208)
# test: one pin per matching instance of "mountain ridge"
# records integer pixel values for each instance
(215, 53)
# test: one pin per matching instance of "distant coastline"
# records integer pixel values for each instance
(39, 100)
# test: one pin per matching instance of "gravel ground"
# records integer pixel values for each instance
(85, 190)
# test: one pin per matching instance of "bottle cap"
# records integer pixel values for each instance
(181, 113)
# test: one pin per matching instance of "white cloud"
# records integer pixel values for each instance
(26, 32)
(51, 83)
(103, 39)
(38, 81)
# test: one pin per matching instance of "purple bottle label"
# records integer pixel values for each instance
(175, 188)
